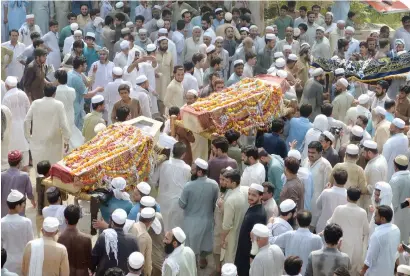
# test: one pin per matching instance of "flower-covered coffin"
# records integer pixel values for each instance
(252, 103)
(119, 150)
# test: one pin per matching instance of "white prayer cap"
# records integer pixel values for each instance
(352, 149)
(370, 144)
(161, 38)
(257, 187)
(151, 47)
(210, 48)
(193, 92)
(125, 44)
(160, 23)
(11, 81)
(278, 55)
(98, 20)
(405, 269)
(50, 224)
(329, 13)
(129, 24)
(270, 36)
(320, 28)
(144, 188)
(99, 127)
(253, 27)
(142, 31)
(119, 216)
(14, 196)
(379, 110)
(162, 31)
(329, 136)
(228, 16)
(148, 213)
(207, 34)
(117, 71)
(282, 74)
(125, 30)
(218, 10)
(229, 168)
(317, 72)
(269, 28)
(104, 49)
(339, 71)
(29, 16)
(78, 32)
(91, 34)
(296, 32)
(341, 22)
(219, 38)
(147, 201)
(295, 153)
(401, 160)
(141, 79)
(287, 205)
(260, 230)
(196, 27)
(357, 131)
(245, 29)
(271, 70)
(363, 99)
(343, 82)
(399, 41)
(229, 269)
(184, 11)
(350, 29)
(74, 26)
(119, 5)
(179, 234)
(293, 57)
(238, 61)
(201, 163)
(280, 62)
(157, 7)
(398, 123)
(287, 47)
(136, 260)
(97, 99)
(304, 44)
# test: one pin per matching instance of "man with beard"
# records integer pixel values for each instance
(207, 26)
(174, 94)
(191, 44)
(343, 101)
(189, 82)
(187, 24)
(27, 29)
(381, 94)
(255, 214)
(142, 40)
(255, 171)
(267, 200)
(198, 200)
(220, 159)
(336, 34)
(83, 18)
(321, 46)
(164, 71)
(293, 187)
(300, 242)
(381, 255)
(403, 104)
(313, 91)
(353, 43)
(381, 127)
(303, 64)
(265, 57)
(181, 259)
(288, 40)
(224, 55)
(178, 39)
(329, 26)
(283, 21)
(284, 222)
(237, 74)
(51, 43)
(229, 43)
(34, 76)
(311, 28)
(258, 41)
(221, 29)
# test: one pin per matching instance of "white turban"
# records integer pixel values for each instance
(118, 185)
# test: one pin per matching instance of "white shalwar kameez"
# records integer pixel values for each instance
(142, 96)
(103, 75)
(19, 104)
(6, 138)
(327, 203)
(53, 57)
(56, 211)
(66, 95)
(375, 171)
(253, 174)
(16, 232)
(399, 183)
(120, 59)
(278, 227)
(181, 261)
(397, 144)
(268, 262)
(172, 48)
(386, 198)
(25, 32)
(146, 68)
(189, 83)
(68, 44)
(173, 175)
(15, 68)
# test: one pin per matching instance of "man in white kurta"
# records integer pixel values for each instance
(343, 101)
(50, 132)
(172, 48)
(142, 95)
(174, 95)
(121, 58)
(103, 75)
(321, 46)
(269, 259)
(255, 171)
(27, 29)
(19, 104)
(400, 185)
(353, 221)
(148, 68)
(51, 41)
(396, 145)
(6, 134)
(173, 174)
(16, 232)
(191, 45)
(15, 68)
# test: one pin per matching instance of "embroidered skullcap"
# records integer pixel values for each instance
(352, 149)
(11, 81)
(78, 32)
(245, 29)
(50, 224)
(142, 31)
(201, 163)
(317, 72)
(399, 41)
(160, 23)
(14, 196)
(151, 47)
(136, 260)
(295, 153)
(97, 99)
(218, 10)
(363, 99)
(219, 38)
(119, 5)
(343, 82)
(210, 48)
(257, 187)
(29, 16)
(74, 26)
(179, 234)
(162, 31)
(148, 213)
(329, 136)
(147, 201)
(270, 36)
(280, 62)
(260, 230)
(357, 131)
(161, 38)
(125, 44)
(238, 61)
(398, 123)
(228, 16)
(339, 71)
(401, 160)
(320, 28)
(293, 57)
(196, 27)
(380, 110)
(117, 71)
(91, 34)
(14, 156)
(141, 79)
(287, 205)
(229, 269)
(144, 188)
(193, 92)
(184, 11)
(370, 144)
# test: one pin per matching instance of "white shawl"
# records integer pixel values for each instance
(36, 257)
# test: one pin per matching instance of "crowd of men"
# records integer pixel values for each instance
(324, 192)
